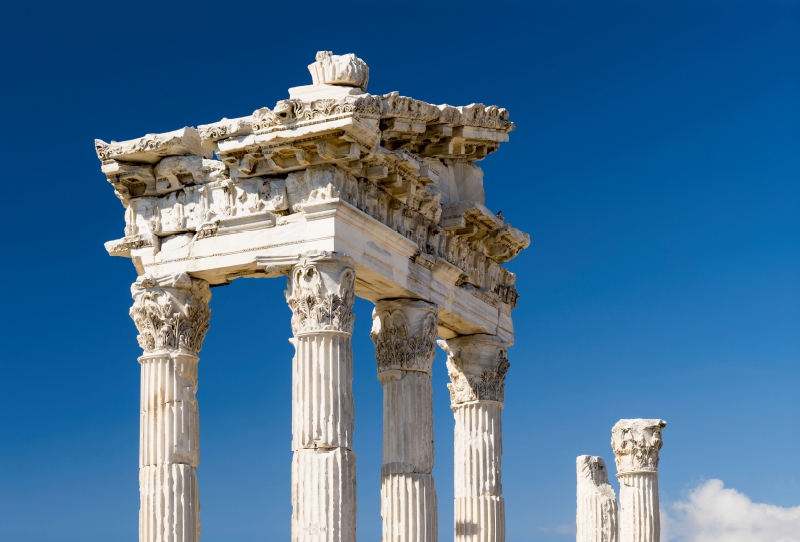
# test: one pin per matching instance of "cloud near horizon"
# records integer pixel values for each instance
(714, 513)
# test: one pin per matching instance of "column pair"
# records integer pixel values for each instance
(404, 333)
(636, 444)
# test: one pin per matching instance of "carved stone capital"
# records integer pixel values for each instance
(321, 291)
(404, 332)
(477, 365)
(171, 313)
(636, 444)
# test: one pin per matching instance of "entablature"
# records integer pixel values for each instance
(394, 166)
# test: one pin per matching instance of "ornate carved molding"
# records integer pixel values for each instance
(321, 292)
(636, 444)
(404, 332)
(171, 313)
(477, 366)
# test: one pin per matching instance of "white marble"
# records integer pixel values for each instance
(320, 293)
(597, 514)
(636, 445)
(477, 365)
(172, 316)
(404, 332)
(328, 185)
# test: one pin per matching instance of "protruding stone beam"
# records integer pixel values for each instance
(596, 517)
(636, 444)
(172, 316)
(321, 294)
(477, 365)
(404, 331)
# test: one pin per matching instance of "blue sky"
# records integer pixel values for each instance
(655, 165)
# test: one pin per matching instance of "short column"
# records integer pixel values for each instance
(321, 294)
(172, 316)
(636, 445)
(477, 365)
(404, 332)
(596, 517)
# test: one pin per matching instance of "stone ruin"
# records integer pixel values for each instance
(345, 194)
(636, 444)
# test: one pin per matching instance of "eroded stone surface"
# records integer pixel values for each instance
(597, 503)
(347, 193)
(636, 445)
(327, 164)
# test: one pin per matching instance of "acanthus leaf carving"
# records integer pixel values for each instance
(321, 293)
(171, 313)
(636, 443)
(404, 332)
(477, 366)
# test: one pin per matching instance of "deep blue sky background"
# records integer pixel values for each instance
(655, 165)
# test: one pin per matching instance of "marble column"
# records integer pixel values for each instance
(321, 294)
(404, 332)
(172, 316)
(636, 445)
(477, 365)
(596, 517)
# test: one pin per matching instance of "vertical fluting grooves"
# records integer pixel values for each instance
(408, 491)
(479, 507)
(323, 465)
(169, 450)
(597, 509)
(639, 517)
(408, 423)
(170, 504)
(480, 519)
(322, 381)
(408, 508)
(478, 450)
(324, 495)
(597, 518)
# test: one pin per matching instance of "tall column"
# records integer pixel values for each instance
(597, 504)
(172, 316)
(321, 294)
(636, 444)
(477, 365)
(404, 332)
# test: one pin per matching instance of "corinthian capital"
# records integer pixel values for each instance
(404, 332)
(636, 444)
(171, 313)
(477, 365)
(321, 291)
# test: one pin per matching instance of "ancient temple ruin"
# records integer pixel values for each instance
(347, 194)
(636, 444)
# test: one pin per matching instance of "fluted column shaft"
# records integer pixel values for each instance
(636, 445)
(404, 332)
(597, 509)
(477, 365)
(321, 294)
(172, 316)
(640, 520)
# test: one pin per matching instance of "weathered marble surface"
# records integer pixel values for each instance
(346, 193)
(391, 181)
(597, 515)
(636, 445)
(172, 316)
(477, 366)
(404, 332)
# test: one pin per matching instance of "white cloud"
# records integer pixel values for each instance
(713, 513)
